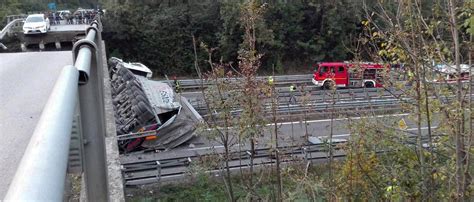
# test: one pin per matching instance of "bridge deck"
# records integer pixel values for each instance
(26, 80)
(57, 33)
(68, 28)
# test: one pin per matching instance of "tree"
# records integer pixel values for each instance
(252, 118)
(161, 35)
(219, 98)
(291, 35)
(418, 34)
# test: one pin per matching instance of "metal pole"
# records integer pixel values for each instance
(42, 171)
(91, 34)
(83, 59)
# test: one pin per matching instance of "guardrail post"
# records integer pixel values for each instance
(352, 94)
(324, 95)
(367, 96)
(305, 153)
(158, 171)
(250, 156)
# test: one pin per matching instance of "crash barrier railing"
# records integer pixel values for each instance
(14, 17)
(42, 171)
(287, 80)
(140, 171)
(5, 30)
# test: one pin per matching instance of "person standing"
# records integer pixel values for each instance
(292, 94)
(177, 85)
(68, 18)
(76, 18)
(51, 18)
(86, 17)
(81, 15)
(270, 80)
(57, 18)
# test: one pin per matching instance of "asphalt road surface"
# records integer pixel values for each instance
(26, 80)
(65, 27)
(293, 133)
(290, 133)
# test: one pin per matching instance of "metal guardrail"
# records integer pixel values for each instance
(43, 166)
(5, 30)
(10, 18)
(41, 173)
(317, 101)
(162, 168)
(91, 100)
(283, 80)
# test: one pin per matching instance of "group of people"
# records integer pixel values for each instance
(78, 17)
(53, 17)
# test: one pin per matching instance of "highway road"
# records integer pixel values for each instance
(290, 133)
(26, 80)
(293, 133)
(142, 168)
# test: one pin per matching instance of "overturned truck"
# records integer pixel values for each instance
(148, 114)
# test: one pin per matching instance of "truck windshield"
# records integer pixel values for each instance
(323, 70)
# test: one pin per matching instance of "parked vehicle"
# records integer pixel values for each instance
(449, 74)
(63, 14)
(36, 24)
(344, 74)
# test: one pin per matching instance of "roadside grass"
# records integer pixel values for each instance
(204, 187)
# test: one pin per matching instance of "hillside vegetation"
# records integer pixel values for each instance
(291, 36)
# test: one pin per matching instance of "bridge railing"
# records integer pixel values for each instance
(42, 171)
(7, 29)
(15, 17)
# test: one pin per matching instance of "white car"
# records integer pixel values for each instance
(36, 24)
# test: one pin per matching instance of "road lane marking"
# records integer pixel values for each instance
(339, 119)
(323, 120)
(334, 136)
(348, 134)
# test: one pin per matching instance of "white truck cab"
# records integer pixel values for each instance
(136, 68)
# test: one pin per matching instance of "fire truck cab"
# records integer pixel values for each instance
(345, 74)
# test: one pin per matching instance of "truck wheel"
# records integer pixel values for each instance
(328, 85)
(369, 84)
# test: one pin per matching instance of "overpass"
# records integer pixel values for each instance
(58, 117)
(58, 35)
(54, 104)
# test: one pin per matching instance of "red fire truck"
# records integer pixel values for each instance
(345, 74)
